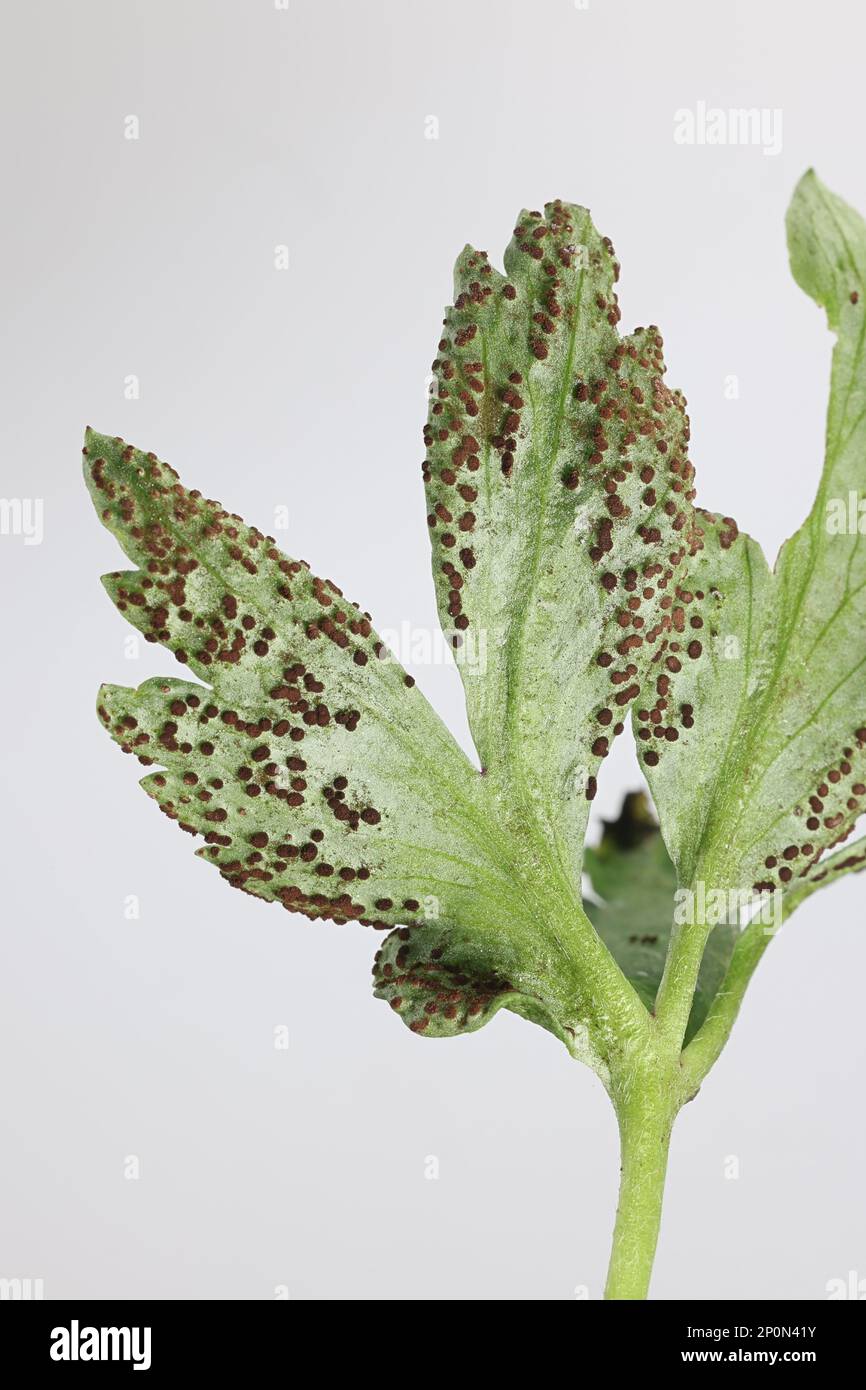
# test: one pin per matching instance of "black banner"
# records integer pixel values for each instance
(157, 1339)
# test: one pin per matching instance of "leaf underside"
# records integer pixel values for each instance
(579, 586)
(769, 771)
(559, 495)
(304, 755)
(318, 776)
(442, 982)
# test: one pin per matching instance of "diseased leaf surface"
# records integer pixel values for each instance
(313, 768)
(579, 586)
(317, 775)
(689, 731)
(849, 860)
(560, 510)
(444, 981)
(771, 772)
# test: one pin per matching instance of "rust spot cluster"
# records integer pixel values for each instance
(637, 436)
(690, 627)
(209, 587)
(427, 992)
(662, 721)
(221, 594)
(621, 446)
(250, 769)
(829, 813)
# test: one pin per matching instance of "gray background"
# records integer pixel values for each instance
(154, 1037)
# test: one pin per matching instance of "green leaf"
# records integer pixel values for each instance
(771, 772)
(850, 860)
(315, 770)
(445, 981)
(632, 874)
(319, 776)
(560, 509)
(579, 586)
(687, 733)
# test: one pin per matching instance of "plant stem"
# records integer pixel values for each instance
(645, 1129)
(704, 1049)
(677, 989)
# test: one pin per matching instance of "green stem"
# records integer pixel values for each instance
(645, 1129)
(603, 998)
(679, 980)
(648, 1094)
(705, 1047)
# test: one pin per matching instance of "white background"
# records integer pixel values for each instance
(305, 388)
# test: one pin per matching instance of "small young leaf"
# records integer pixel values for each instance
(445, 981)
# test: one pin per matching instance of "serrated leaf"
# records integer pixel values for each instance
(318, 775)
(559, 495)
(771, 772)
(315, 770)
(632, 874)
(578, 584)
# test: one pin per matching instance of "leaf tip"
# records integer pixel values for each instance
(826, 247)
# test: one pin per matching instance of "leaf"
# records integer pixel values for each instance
(632, 874)
(771, 772)
(560, 506)
(442, 982)
(315, 770)
(691, 728)
(850, 860)
(318, 775)
(559, 503)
